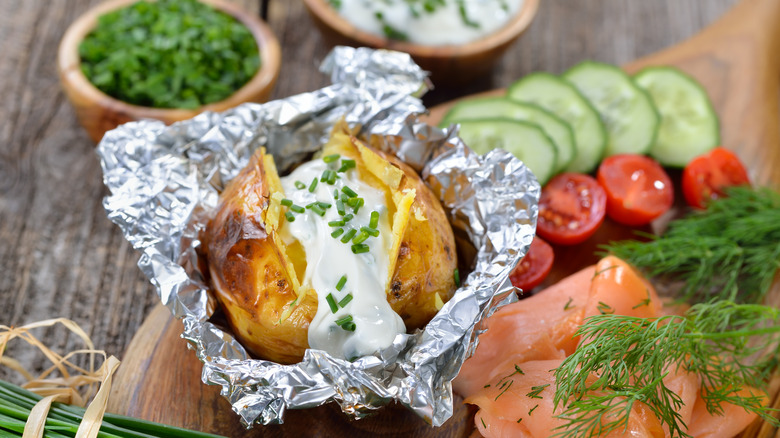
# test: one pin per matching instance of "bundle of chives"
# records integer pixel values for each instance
(63, 420)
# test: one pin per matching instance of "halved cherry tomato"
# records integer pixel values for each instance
(534, 266)
(705, 177)
(571, 208)
(638, 189)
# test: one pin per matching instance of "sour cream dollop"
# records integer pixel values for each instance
(371, 322)
(434, 23)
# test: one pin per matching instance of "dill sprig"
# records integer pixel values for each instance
(624, 359)
(729, 251)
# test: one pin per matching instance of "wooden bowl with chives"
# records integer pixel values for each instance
(449, 65)
(98, 112)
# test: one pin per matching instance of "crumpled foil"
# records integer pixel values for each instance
(165, 181)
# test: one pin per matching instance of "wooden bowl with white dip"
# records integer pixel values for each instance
(456, 46)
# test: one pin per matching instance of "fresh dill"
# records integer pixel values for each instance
(531, 411)
(622, 359)
(505, 389)
(645, 302)
(605, 308)
(568, 305)
(729, 251)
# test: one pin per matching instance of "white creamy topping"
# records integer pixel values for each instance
(454, 22)
(328, 259)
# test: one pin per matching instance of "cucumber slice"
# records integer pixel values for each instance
(562, 99)
(524, 140)
(490, 107)
(627, 111)
(689, 124)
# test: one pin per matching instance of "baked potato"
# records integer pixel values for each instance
(267, 257)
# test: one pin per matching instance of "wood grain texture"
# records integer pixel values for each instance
(59, 253)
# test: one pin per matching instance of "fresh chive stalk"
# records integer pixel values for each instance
(313, 185)
(338, 223)
(374, 221)
(337, 233)
(289, 216)
(360, 238)
(373, 232)
(297, 208)
(340, 207)
(360, 248)
(287, 202)
(349, 192)
(331, 158)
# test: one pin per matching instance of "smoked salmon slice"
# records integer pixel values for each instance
(536, 328)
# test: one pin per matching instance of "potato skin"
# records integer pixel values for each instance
(253, 285)
(249, 278)
(427, 258)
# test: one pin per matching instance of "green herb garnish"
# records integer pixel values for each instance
(289, 216)
(456, 277)
(313, 185)
(729, 346)
(361, 237)
(360, 248)
(373, 232)
(297, 208)
(299, 185)
(338, 223)
(169, 54)
(341, 283)
(729, 251)
(347, 237)
(287, 202)
(344, 301)
(349, 192)
(332, 303)
(337, 233)
(331, 158)
(374, 220)
(346, 165)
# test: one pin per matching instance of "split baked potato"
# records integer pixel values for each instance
(258, 279)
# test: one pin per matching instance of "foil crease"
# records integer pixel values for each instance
(165, 181)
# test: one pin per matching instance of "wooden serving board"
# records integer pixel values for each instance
(737, 59)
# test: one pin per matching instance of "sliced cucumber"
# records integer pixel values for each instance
(627, 111)
(562, 99)
(524, 140)
(689, 124)
(490, 107)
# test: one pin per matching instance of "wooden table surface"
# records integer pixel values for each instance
(59, 254)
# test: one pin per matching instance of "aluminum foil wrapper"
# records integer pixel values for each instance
(165, 182)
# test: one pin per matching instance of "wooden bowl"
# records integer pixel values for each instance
(98, 112)
(449, 65)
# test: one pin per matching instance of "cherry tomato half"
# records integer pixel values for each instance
(534, 266)
(705, 177)
(638, 189)
(571, 208)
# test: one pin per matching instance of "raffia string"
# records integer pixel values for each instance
(74, 385)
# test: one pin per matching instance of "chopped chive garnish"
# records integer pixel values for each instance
(360, 238)
(289, 216)
(346, 165)
(341, 283)
(323, 205)
(370, 231)
(350, 326)
(337, 233)
(359, 204)
(313, 185)
(332, 303)
(331, 177)
(336, 194)
(331, 158)
(348, 217)
(339, 223)
(297, 208)
(324, 176)
(359, 248)
(344, 197)
(344, 319)
(349, 192)
(374, 219)
(299, 185)
(347, 237)
(318, 210)
(456, 277)
(286, 202)
(352, 202)
(344, 301)
(340, 207)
